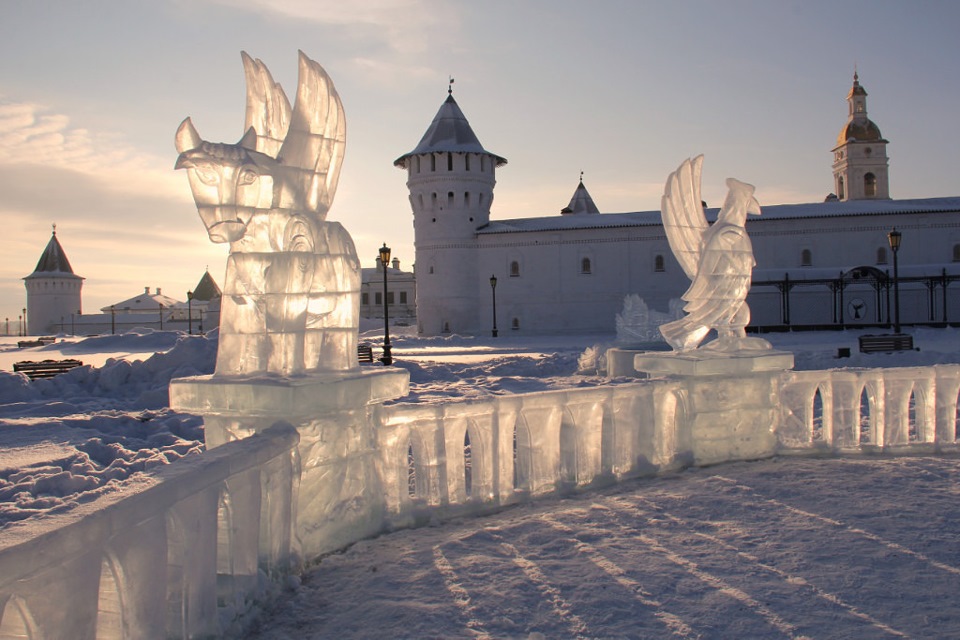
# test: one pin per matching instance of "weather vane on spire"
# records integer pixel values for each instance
(450, 86)
(54, 225)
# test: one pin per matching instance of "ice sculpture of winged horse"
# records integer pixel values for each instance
(290, 298)
(717, 258)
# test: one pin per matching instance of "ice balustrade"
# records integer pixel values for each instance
(454, 457)
(204, 538)
(181, 558)
(906, 408)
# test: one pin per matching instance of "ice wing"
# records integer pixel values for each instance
(268, 110)
(316, 140)
(682, 212)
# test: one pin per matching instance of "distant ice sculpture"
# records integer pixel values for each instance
(639, 324)
(717, 258)
(290, 296)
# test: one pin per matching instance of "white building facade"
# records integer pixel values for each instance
(819, 264)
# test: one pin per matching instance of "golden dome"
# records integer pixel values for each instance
(859, 130)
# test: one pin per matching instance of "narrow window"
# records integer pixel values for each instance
(403, 297)
(882, 255)
(416, 163)
(515, 324)
(840, 188)
(449, 162)
(450, 198)
(466, 198)
(585, 266)
(433, 162)
(658, 264)
(433, 200)
(806, 258)
(870, 185)
(389, 297)
(466, 161)
(431, 268)
(956, 253)
(378, 298)
(514, 269)
(483, 164)
(364, 298)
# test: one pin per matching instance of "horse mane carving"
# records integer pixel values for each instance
(291, 291)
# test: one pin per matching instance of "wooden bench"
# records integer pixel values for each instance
(45, 368)
(886, 343)
(365, 353)
(39, 342)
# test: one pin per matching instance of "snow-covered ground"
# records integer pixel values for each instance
(782, 548)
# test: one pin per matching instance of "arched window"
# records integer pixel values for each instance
(433, 162)
(870, 185)
(806, 258)
(658, 263)
(466, 199)
(585, 266)
(881, 255)
(466, 161)
(450, 198)
(515, 324)
(449, 162)
(514, 269)
(840, 194)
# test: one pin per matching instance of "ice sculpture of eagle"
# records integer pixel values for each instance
(717, 258)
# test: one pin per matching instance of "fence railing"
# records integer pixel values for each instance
(183, 552)
(845, 410)
(460, 456)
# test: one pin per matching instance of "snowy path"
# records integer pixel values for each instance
(786, 548)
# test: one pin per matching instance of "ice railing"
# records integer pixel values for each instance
(457, 456)
(181, 558)
(842, 410)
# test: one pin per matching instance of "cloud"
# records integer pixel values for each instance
(125, 218)
(403, 25)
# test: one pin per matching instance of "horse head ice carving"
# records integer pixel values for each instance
(717, 258)
(290, 295)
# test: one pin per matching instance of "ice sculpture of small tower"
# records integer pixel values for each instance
(450, 177)
(53, 290)
(860, 157)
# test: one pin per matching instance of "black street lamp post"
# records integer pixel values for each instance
(24, 321)
(387, 359)
(113, 319)
(190, 313)
(493, 291)
(894, 238)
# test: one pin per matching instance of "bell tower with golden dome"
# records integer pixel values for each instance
(860, 169)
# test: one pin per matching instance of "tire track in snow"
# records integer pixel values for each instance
(560, 606)
(461, 598)
(894, 546)
(672, 622)
(787, 577)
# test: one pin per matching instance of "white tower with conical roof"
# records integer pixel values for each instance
(53, 290)
(860, 158)
(451, 178)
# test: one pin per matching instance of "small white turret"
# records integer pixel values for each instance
(53, 290)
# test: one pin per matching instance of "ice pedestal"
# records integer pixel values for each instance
(340, 498)
(730, 401)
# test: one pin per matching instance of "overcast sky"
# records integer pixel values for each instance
(91, 94)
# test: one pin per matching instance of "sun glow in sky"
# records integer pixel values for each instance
(91, 95)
